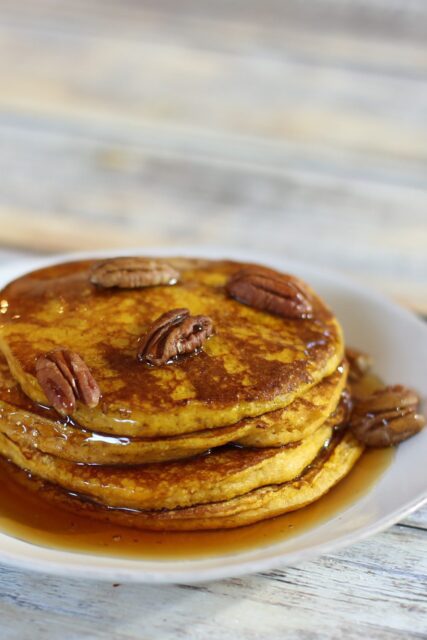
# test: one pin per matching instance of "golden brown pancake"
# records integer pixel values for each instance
(247, 428)
(332, 464)
(300, 418)
(220, 475)
(256, 362)
(31, 425)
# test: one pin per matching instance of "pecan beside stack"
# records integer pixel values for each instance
(271, 291)
(131, 273)
(173, 334)
(65, 378)
(387, 417)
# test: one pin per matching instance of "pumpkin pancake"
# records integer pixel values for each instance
(87, 447)
(220, 475)
(300, 418)
(333, 463)
(254, 363)
(31, 425)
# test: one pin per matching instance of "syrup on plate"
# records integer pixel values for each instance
(28, 516)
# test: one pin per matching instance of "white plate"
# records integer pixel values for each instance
(398, 342)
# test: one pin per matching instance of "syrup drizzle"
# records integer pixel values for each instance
(27, 515)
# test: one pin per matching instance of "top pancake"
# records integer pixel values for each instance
(255, 362)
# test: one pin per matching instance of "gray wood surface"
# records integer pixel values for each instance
(295, 127)
(289, 126)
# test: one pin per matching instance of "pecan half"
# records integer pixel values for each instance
(65, 378)
(359, 362)
(387, 417)
(173, 334)
(271, 291)
(131, 273)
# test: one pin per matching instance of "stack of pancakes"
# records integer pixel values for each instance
(248, 427)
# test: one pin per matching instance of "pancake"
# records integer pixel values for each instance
(333, 463)
(221, 475)
(255, 362)
(299, 419)
(88, 447)
(245, 423)
(31, 425)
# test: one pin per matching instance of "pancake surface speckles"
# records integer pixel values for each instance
(255, 362)
(214, 412)
(300, 418)
(31, 425)
(220, 475)
(269, 501)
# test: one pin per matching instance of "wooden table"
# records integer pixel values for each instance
(293, 127)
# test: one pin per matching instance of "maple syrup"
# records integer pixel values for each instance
(26, 515)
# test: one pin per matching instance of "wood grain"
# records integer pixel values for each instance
(136, 124)
(375, 589)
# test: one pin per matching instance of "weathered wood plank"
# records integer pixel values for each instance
(104, 187)
(257, 93)
(378, 19)
(375, 589)
(417, 519)
(35, 625)
(314, 138)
